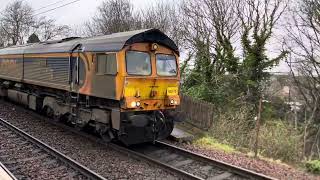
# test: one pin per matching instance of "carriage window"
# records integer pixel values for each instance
(166, 65)
(107, 64)
(138, 63)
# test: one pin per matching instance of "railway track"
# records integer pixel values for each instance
(5, 174)
(191, 165)
(28, 158)
(183, 163)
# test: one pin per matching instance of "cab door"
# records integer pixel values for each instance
(78, 72)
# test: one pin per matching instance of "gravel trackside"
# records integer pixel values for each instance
(258, 165)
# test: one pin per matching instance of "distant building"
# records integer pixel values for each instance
(284, 87)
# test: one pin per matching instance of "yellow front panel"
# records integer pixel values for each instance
(149, 88)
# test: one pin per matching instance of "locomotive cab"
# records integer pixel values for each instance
(151, 79)
(150, 91)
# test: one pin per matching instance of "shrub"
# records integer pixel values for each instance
(280, 140)
(313, 166)
(277, 139)
(233, 127)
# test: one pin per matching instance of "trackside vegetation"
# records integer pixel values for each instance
(313, 166)
(229, 65)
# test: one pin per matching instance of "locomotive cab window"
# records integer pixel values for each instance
(138, 63)
(166, 65)
(106, 64)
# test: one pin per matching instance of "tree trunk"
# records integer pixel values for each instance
(256, 146)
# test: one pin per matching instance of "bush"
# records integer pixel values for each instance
(234, 127)
(277, 139)
(313, 166)
(275, 109)
(222, 90)
(234, 122)
(280, 140)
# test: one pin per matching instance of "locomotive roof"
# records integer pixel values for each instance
(107, 43)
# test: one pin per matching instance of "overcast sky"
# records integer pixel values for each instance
(73, 14)
(77, 13)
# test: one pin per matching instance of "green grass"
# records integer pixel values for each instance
(211, 143)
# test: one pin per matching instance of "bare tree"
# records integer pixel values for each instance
(3, 38)
(304, 45)
(79, 30)
(163, 16)
(210, 29)
(223, 19)
(16, 21)
(158, 16)
(113, 16)
(48, 29)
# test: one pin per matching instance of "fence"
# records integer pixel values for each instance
(198, 113)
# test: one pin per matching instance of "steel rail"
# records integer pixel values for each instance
(65, 159)
(180, 173)
(223, 165)
(3, 167)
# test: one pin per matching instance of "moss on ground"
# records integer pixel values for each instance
(211, 143)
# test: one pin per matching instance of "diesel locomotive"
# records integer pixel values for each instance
(123, 86)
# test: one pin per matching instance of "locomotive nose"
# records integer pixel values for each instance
(151, 93)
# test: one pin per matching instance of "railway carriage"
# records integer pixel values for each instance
(124, 86)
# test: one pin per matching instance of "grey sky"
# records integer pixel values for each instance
(74, 14)
(79, 12)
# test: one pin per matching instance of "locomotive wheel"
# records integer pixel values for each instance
(48, 111)
(79, 128)
(105, 137)
(105, 132)
(164, 125)
(166, 130)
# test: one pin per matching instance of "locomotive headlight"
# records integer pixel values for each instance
(133, 104)
(172, 101)
(138, 104)
(154, 47)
